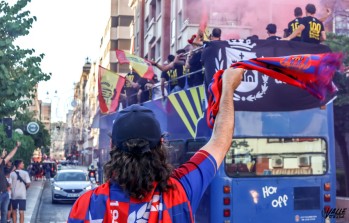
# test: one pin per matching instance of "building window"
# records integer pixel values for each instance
(125, 20)
(114, 21)
(180, 21)
(173, 31)
(152, 10)
(158, 8)
(152, 52)
(342, 25)
(124, 44)
(146, 23)
(137, 40)
(158, 50)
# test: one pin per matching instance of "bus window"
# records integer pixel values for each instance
(276, 156)
(193, 146)
(176, 152)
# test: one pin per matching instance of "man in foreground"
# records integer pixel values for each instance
(141, 184)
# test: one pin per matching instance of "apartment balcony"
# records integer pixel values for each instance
(120, 32)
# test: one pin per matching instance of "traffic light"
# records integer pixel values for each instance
(7, 122)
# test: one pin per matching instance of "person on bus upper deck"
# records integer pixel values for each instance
(130, 89)
(271, 31)
(141, 184)
(173, 77)
(194, 65)
(293, 25)
(311, 29)
(207, 50)
(200, 40)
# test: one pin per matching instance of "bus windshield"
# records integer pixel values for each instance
(276, 156)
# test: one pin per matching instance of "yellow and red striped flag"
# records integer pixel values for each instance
(143, 67)
(110, 85)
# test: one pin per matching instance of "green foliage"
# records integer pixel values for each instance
(20, 69)
(42, 138)
(29, 142)
(340, 43)
(26, 150)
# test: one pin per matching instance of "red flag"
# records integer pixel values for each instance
(143, 67)
(110, 85)
(312, 72)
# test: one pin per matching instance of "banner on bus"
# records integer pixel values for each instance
(259, 92)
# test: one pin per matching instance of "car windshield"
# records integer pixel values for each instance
(71, 176)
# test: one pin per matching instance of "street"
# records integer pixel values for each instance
(51, 213)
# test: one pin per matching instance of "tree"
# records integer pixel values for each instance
(20, 70)
(42, 138)
(29, 142)
(26, 150)
(339, 43)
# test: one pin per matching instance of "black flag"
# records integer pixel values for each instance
(257, 91)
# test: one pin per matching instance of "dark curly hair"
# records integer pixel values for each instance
(136, 173)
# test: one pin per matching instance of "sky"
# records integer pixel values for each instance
(67, 32)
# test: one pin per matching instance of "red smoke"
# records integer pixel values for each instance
(253, 15)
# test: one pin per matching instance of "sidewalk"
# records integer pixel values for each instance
(33, 200)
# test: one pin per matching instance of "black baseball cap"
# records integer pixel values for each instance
(271, 28)
(136, 122)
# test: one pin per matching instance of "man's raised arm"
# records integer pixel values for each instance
(223, 129)
(13, 152)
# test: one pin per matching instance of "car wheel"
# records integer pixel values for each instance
(54, 201)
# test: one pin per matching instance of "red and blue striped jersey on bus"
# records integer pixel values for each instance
(108, 203)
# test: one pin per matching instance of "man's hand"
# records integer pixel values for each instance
(18, 144)
(232, 77)
(4, 153)
(152, 62)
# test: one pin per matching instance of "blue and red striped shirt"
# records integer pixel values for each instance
(109, 203)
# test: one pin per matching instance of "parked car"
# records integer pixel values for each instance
(69, 184)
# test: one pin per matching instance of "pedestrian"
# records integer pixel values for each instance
(141, 185)
(311, 29)
(20, 183)
(4, 195)
(47, 169)
(271, 31)
(8, 171)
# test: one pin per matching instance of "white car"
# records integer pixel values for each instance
(69, 184)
